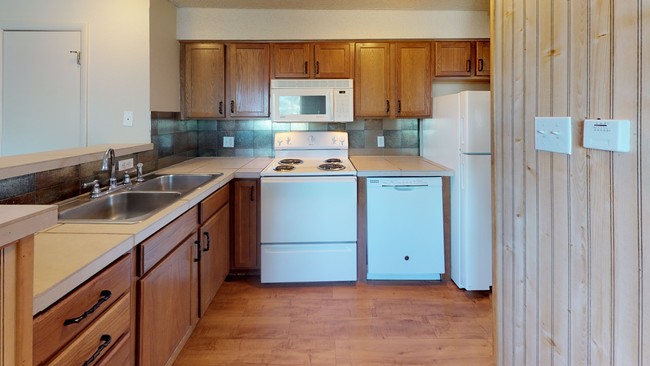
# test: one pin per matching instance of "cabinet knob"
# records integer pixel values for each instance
(469, 65)
(207, 239)
(480, 64)
(317, 68)
(387, 106)
(106, 340)
(221, 107)
(232, 106)
(306, 68)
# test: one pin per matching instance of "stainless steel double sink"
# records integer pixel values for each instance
(133, 203)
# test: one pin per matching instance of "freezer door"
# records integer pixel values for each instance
(476, 128)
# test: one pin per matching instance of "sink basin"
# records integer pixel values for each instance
(121, 207)
(183, 183)
(131, 204)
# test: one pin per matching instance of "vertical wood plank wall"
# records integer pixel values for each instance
(572, 263)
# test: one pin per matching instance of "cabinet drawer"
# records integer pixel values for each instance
(161, 243)
(79, 308)
(120, 354)
(212, 204)
(100, 337)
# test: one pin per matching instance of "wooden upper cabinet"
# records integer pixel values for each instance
(462, 59)
(202, 80)
(453, 58)
(482, 58)
(412, 79)
(247, 80)
(372, 80)
(327, 60)
(393, 79)
(334, 60)
(291, 60)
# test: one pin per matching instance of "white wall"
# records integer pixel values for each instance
(117, 53)
(248, 24)
(164, 56)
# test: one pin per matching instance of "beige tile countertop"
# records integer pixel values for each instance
(66, 255)
(398, 166)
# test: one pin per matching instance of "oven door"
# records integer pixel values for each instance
(308, 209)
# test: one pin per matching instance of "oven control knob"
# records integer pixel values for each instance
(334, 140)
(288, 140)
(311, 139)
(342, 142)
(279, 142)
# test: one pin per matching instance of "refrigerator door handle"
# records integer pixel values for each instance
(461, 173)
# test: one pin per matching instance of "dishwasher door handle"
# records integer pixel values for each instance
(404, 187)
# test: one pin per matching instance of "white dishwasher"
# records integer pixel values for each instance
(405, 228)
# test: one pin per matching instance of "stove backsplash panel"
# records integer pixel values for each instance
(255, 137)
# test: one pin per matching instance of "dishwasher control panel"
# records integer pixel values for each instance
(405, 181)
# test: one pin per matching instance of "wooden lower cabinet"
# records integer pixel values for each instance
(215, 246)
(87, 324)
(168, 290)
(246, 239)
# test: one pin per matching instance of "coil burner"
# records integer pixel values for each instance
(331, 166)
(284, 168)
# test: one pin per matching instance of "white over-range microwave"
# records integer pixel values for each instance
(312, 100)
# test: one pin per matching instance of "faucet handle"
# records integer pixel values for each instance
(95, 192)
(127, 178)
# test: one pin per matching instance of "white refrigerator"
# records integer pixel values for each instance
(459, 137)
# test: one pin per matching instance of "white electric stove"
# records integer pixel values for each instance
(309, 210)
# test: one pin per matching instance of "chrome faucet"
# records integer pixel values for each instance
(109, 164)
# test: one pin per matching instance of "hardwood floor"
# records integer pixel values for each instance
(367, 324)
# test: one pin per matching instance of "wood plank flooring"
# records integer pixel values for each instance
(366, 324)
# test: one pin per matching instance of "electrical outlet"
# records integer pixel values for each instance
(128, 119)
(228, 141)
(125, 164)
(380, 141)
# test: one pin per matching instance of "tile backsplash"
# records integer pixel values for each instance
(255, 137)
(176, 140)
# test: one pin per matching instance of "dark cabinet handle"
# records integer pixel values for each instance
(317, 68)
(221, 107)
(306, 68)
(252, 194)
(232, 106)
(198, 251)
(106, 340)
(207, 239)
(469, 65)
(480, 64)
(387, 106)
(399, 106)
(104, 295)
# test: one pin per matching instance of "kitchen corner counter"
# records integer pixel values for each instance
(19, 221)
(398, 166)
(66, 255)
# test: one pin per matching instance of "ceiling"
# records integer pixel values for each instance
(467, 5)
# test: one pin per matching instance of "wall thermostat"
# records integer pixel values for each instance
(607, 134)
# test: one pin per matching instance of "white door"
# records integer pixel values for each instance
(41, 98)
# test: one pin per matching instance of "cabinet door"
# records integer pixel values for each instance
(246, 241)
(372, 79)
(248, 79)
(334, 60)
(482, 58)
(166, 311)
(291, 60)
(203, 80)
(215, 256)
(453, 59)
(413, 79)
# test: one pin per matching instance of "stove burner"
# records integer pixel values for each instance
(291, 161)
(284, 168)
(333, 160)
(331, 166)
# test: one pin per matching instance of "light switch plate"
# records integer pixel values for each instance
(228, 141)
(380, 141)
(553, 134)
(607, 134)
